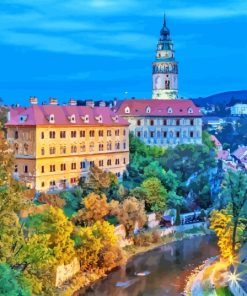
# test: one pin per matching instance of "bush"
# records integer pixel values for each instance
(52, 200)
(147, 238)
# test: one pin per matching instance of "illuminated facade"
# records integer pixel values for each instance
(163, 122)
(55, 145)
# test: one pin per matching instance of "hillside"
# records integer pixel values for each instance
(224, 98)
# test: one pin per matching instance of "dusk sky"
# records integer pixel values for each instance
(100, 49)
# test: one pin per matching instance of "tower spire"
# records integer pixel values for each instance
(165, 68)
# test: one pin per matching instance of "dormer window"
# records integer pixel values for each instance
(169, 110)
(190, 110)
(85, 118)
(52, 118)
(115, 118)
(127, 110)
(148, 109)
(22, 118)
(99, 118)
(72, 118)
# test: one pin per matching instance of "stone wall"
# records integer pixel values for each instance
(66, 272)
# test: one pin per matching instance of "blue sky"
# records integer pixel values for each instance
(100, 49)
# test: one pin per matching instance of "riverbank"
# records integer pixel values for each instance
(84, 280)
(211, 278)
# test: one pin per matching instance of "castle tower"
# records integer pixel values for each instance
(165, 68)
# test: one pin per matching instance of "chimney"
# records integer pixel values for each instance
(90, 104)
(72, 102)
(53, 101)
(33, 100)
(102, 104)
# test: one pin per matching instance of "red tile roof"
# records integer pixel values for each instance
(158, 108)
(223, 154)
(216, 141)
(241, 152)
(39, 115)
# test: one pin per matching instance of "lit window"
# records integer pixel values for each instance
(127, 110)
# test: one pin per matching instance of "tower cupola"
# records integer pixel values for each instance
(165, 67)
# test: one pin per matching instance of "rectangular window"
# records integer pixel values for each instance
(62, 134)
(83, 165)
(73, 134)
(63, 167)
(164, 134)
(117, 161)
(152, 134)
(91, 163)
(82, 134)
(178, 134)
(42, 169)
(108, 133)
(191, 134)
(73, 180)
(52, 150)
(73, 166)
(63, 149)
(52, 168)
(101, 163)
(25, 169)
(138, 134)
(117, 132)
(101, 133)
(52, 135)
(42, 136)
(42, 151)
(91, 134)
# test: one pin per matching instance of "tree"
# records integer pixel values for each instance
(222, 223)
(206, 140)
(10, 282)
(55, 224)
(156, 194)
(154, 170)
(95, 209)
(97, 247)
(130, 213)
(99, 181)
(175, 201)
(235, 193)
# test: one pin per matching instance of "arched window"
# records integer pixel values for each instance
(127, 110)
(91, 147)
(25, 148)
(82, 147)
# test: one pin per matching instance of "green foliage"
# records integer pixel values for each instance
(97, 247)
(206, 140)
(10, 282)
(58, 229)
(156, 194)
(72, 198)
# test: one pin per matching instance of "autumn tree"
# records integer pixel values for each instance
(130, 212)
(222, 223)
(96, 208)
(97, 247)
(99, 181)
(156, 194)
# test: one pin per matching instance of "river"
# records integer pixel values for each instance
(167, 267)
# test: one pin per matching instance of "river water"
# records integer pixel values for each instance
(167, 269)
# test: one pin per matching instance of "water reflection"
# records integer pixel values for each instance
(169, 266)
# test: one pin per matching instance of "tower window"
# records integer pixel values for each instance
(167, 84)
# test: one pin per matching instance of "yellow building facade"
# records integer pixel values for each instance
(54, 145)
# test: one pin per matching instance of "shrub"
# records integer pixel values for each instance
(52, 200)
